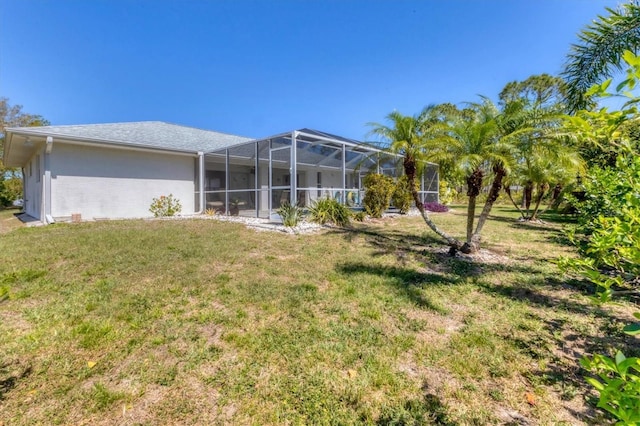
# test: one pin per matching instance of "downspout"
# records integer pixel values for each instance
(201, 195)
(293, 170)
(343, 193)
(47, 180)
(24, 191)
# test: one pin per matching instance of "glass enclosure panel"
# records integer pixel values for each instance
(320, 155)
(278, 197)
(262, 203)
(390, 165)
(431, 178)
(242, 203)
(242, 167)
(281, 141)
(259, 174)
(430, 197)
(280, 167)
(215, 200)
(215, 172)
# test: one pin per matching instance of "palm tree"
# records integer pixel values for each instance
(543, 157)
(407, 136)
(548, 167)
(599, 51)
(479, 150)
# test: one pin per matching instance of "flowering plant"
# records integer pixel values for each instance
(165, 205)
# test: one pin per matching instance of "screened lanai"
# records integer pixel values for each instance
(255, 178)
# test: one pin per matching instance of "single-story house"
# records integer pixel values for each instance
(115, 170)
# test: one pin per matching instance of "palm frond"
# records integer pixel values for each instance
(598, 54)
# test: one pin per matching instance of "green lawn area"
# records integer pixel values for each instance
(207, 322)
(8, 222)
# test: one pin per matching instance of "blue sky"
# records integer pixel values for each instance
(257, 68)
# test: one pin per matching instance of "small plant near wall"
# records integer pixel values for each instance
(378, 191)
(329, 210)
(360, 216)
(290, 214)
(210, 212)
(165, 206)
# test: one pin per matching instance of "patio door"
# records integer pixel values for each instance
(279, 176)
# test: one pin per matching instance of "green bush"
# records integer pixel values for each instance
(328, 210)
(448, 194)
(359, 217)
(165, 205)
(290, 214)
(402, 196)
(608, 230)
(378, 191)
(10, 190)
(618, 383)
(608, 237)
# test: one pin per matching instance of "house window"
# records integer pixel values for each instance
(38, 168)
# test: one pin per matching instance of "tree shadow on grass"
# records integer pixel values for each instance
(408, 282)
(561, 345)
(390, 241)
(547, 226)
(430, 410)
(429, 251)
(555, 234)
(10, 375)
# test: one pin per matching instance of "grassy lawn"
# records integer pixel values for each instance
(8, 222)
(206, 322)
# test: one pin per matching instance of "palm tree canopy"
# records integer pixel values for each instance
(473, 140)
(406, 134)
(599, 51)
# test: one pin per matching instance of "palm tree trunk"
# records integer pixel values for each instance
(410, 171)
(474, 185)
(508, 191)
(471, 212)
(499, 173)
(528, 195)
(542, 190)
(557, 190)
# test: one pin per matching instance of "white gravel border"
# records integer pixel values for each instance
(260, 224)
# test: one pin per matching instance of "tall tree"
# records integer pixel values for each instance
(542, 90)
(598, 54)
(10, 178)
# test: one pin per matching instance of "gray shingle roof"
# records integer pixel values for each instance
(153, 134)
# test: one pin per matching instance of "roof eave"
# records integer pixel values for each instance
(122, 144)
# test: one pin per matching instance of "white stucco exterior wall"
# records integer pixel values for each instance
(34, 184)
(103, 182)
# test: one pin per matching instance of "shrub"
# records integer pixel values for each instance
(328, 210)
(447, 193)
(618, 383)
(608, 237)
(378, 191)
(436, 207)
(402, 196)
(290, 214)
(359, 217)
(165, 205)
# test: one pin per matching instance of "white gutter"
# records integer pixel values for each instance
(47, 180)
(201, 182)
